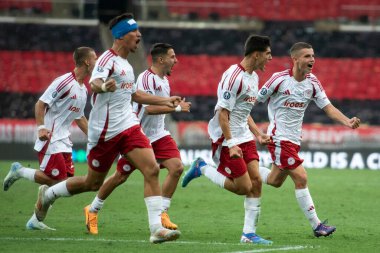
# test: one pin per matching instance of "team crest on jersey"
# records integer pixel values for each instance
(54, 172)
(226, 95)
(149, 91)
(126, 167)
(55, 93)
(291, 160)
(263, 91)
(95, 163)
(228, 170)
(307, 93)
(100, 69)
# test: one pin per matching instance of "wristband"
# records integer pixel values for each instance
(231, 143)
(41, 127)
(103, 87)
(178, 108)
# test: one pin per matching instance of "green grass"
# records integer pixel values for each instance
(210, 218)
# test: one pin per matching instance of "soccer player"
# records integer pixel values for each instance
(232, 129)
(114, 129)
(62, 103)
(152, 117)
(289, 93)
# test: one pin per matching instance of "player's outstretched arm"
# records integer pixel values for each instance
(338, 116)
(142, 97)
(98, 86)
(183, 106)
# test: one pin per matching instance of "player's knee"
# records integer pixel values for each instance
(244, 189)
(152, 170)
(276, 184)
(301, 182)
(177, 170)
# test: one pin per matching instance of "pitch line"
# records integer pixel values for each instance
(298, 247)
(105, 240)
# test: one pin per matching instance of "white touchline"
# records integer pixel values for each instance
(101, 240)
(298, 247)
(105, 240)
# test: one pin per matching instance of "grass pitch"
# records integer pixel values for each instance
(210, 218)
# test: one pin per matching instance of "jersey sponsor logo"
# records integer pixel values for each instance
(294, 104)
(287, 92)
(263, 91)
(54, 172)
(250, 99)
(74, 97)
(291, 160)
(226, 95)
(126, 86)
(54, 94)
(123, 73)
(74, 109)
(159, 88)
(100, 69)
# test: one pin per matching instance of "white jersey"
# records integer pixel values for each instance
(288, 100)
(66, 100)
(152, 125)
(237, 92)
(111, 112)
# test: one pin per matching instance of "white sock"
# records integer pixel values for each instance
(211, 173)
(252, 213)
(166, 204)
(96, 204)
(27, 173)
(264, 172)
(57, 190)
(306, 203)
(34, 217)
(154, 207)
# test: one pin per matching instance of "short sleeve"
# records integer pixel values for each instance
(319, 95)
(103, 67)
(230, 86)
(57, 89)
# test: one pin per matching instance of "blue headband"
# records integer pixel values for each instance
(123, 27)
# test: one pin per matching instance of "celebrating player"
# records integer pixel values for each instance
(153, 81)
(114, 129)
(62, 103)
(231, 130)
(289, 93)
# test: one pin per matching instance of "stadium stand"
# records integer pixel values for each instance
(348, 63)
(276, 10)
(34, 6)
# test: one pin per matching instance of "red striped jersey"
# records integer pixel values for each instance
(237, 92)
(152, 125)
(288, 100)
(112, 112)
(66, 100)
